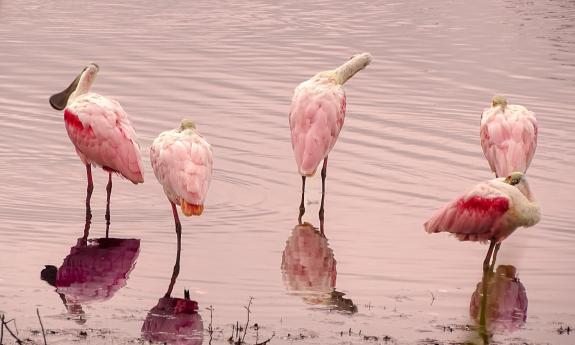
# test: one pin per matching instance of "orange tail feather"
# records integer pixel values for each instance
(191, 210)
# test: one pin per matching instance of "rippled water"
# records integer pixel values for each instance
(410, 143)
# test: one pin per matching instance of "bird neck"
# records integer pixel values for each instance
(344, 72)
(84, 84)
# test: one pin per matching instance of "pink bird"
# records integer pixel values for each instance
(101, 132)
(182, 162)
(508, 137)
(490, 211)
(316, 118)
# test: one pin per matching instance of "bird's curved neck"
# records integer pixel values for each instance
(344, 72)
(84, 85)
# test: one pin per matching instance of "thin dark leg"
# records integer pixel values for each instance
(302, 205)
(321, 211)
(108, 193)
(89, 190)
(177, 264)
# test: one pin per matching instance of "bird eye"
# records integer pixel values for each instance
(514, 182)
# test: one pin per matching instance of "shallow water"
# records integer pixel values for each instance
(410, 143)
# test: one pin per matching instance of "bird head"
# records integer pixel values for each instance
(518, 180)
(514, 178)
(499, 100)
(186, 124)
(81, 84)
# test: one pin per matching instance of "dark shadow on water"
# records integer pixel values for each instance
(309, 269)
(94, 271)
(505, 301)
(174, 320)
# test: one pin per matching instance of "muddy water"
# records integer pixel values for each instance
(410, 143)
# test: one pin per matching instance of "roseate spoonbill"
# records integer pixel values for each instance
(316, 117)
(100, 130)
(490, 211)
(508, 138)
(182, 162)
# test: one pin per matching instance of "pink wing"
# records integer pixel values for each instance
(475, 216)
(182, 163)
(508, 140)
(316, 118)
(102, 133)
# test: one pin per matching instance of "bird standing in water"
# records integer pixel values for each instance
(100, 130)
(490, 211)
(508, 138)
(316, 118)
(182, 162)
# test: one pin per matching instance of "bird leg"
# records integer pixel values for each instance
(487, 260)
(89, 190)
(301, 205)
(176, 271)
(497, 246)
(108, 193)
(323, 175)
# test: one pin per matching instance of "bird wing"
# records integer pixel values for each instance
(316, 118)
(101, 131)
(508, 139)
(474, 215)
(182, 163)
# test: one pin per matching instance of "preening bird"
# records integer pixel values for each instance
(490, 211)
(316, 118)
(182, 162)
(100, 130)
(508, 137)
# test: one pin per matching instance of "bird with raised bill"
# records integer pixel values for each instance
(102, 133)
(316, 118)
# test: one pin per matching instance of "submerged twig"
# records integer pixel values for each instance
(41, 326)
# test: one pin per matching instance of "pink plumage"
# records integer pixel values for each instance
(316, 118)
(182, 162)
(491, 210)
(100, 130)
(508, 137)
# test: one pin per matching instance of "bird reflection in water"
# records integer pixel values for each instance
(174, 320)
(94, 271)
(309, 268)
(499, 302)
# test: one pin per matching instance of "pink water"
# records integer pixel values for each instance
(410, 143)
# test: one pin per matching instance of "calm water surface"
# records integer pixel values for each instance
(410, 144)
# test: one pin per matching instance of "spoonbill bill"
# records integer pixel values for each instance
(490, 211)
(508, 138)
(182, 162)
(100, 130)
(316, 118)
